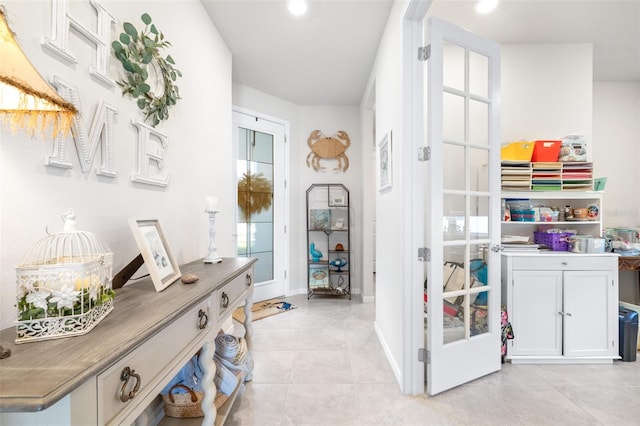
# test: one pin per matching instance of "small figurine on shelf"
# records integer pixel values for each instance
(315, 254)
(339, 263)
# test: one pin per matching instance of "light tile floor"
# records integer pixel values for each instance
(322, 364)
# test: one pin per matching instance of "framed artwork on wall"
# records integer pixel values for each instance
(385, 175)
(155, 250)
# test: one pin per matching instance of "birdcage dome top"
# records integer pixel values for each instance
(67, 247)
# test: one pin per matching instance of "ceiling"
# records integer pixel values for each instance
(325, 57)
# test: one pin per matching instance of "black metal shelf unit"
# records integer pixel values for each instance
(328, 240)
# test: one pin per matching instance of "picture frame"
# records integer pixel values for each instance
(385, 161)
(320, 219)
(156, 252)
(319, 276)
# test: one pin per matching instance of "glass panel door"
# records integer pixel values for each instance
(463, 324)
(260, 216)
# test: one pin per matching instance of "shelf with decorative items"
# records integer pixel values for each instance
(328, 241)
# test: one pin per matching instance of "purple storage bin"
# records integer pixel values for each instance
(556, 240)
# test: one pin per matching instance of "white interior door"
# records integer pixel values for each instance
(261, 209)
(463, 206)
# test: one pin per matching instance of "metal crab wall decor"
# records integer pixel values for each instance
(323, 148)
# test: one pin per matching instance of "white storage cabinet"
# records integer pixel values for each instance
(562, 306)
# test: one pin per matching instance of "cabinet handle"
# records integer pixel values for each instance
(565, 263)
(203, 319)
(225, 300)
(568, 314)
(126, 374)
(249, 280)
(560, 313)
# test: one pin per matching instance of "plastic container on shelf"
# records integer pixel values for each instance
(546, 151)
(523, 214)
(517, 151)
(556, 240)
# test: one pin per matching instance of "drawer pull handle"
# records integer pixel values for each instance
(203, 320)
(565, 263)
(225, 300)
(126, 374)
(249, 280)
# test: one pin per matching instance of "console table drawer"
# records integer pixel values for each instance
(229, 294)
(148, 364)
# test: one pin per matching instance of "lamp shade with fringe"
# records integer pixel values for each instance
(27, 101)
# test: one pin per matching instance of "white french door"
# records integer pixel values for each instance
(260, 198)
(463, 206)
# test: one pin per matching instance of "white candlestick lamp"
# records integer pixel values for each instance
(211, 208)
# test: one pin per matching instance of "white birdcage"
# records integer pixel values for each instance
(64, 285)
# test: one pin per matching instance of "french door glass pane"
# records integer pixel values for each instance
(478, 270)
(478, 169)
(453, 66)
(453, 119)
(478, 74)
(478, 122)
(454, 222)
(479, 217)
(453, 289)
(255, 200)
(453, 160)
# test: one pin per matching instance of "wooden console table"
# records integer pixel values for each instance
(79, 380)
(630, 263)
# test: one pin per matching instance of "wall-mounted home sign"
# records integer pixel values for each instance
(150, 78)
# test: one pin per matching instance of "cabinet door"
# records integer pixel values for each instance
(589, 324)
(536, 313)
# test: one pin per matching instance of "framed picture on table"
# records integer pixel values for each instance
(155, 251)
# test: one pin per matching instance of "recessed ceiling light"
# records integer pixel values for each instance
(297, 7)
(485, 6)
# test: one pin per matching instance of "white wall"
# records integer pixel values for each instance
(616, 150)
(303, 120)
(546, 91)
(616, 128)
(386, 75)
(33, 196)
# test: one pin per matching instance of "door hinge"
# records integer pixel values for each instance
(424, 52)
(424, 356)
(285, 274)
(285, 229)
(424, 153)
(424, 254)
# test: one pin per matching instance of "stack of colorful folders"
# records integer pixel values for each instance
(577, 176)
(546, 176)
(516, 175)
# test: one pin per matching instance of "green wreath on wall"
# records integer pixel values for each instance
(150, 77)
